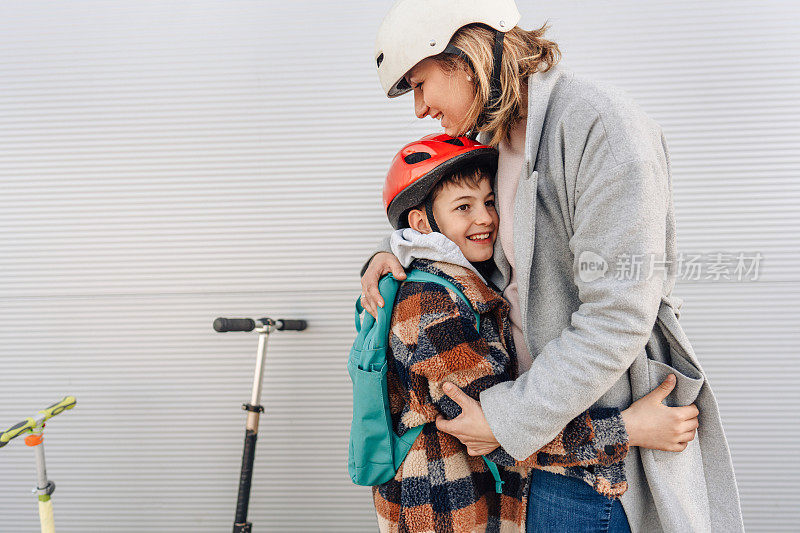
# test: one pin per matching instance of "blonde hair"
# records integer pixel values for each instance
(524, 53)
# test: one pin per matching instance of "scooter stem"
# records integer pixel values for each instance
(254, 410)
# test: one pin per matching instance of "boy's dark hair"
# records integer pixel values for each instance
(471, 175)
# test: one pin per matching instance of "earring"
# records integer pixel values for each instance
(469, 78)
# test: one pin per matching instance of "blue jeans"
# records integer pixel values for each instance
(559, 504)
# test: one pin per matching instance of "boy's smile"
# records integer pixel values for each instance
(480, 238)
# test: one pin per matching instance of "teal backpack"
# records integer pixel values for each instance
(376, 451)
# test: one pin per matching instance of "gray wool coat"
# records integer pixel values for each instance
(594, 200)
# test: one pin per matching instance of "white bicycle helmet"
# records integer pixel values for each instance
(416, 29)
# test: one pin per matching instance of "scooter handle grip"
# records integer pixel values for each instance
(221, 325)
(20, 428)
(285, 323)
(59, 407)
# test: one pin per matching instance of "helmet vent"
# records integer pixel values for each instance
(457, 142)
(416, 157)
(380, 60)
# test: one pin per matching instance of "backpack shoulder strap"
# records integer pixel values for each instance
(419, 275)
(401, 444)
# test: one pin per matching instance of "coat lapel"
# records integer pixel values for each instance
(540, 89)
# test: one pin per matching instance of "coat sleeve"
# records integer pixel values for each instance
(383, 246)
(620, 213)
(596, 437)
(592, 447)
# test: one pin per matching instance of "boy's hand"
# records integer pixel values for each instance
(382, 263)
(470, 427)
(651, 424)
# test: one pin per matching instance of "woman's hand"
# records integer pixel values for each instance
(651, 424)
(381, 263)
(470, 427)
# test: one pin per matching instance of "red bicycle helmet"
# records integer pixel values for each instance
(418, 167)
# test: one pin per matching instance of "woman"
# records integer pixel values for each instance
(584, 180)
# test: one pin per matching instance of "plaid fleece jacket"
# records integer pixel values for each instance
(439, 488)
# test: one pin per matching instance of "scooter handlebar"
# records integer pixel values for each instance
(30, 424)
(222, 325)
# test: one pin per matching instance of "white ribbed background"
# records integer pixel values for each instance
(162, 164)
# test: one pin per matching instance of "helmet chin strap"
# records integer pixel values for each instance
(494, 90)
(429, 212)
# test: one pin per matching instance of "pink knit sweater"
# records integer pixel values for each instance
(509, 167)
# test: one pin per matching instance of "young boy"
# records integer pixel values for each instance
(438, 192)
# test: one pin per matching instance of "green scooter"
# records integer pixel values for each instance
(34, 427)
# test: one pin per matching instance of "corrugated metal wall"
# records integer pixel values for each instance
(166, 163)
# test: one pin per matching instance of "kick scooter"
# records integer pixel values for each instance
(35, 426)
(263, 326)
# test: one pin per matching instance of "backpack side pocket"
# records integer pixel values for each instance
(370, 455)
